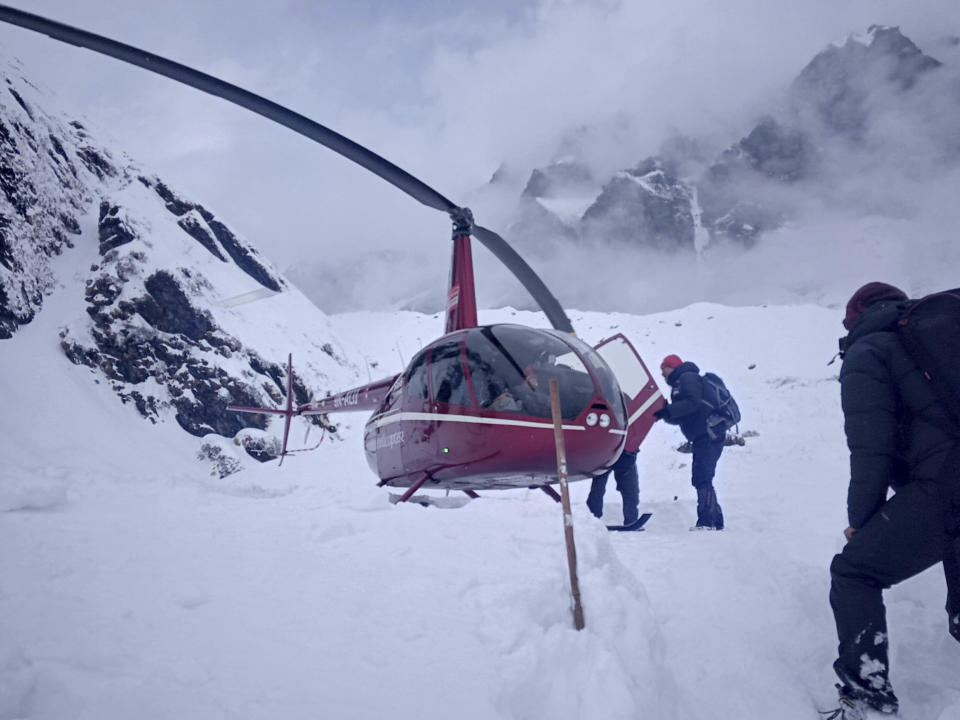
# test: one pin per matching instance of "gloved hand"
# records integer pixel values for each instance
(662, 413)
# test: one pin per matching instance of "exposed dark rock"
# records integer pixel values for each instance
(223, 464)
(26, 109)
(7, 257)
(70, 223)
(175, 204)
(772, 152)
(262, 449)
(7, 143)
(96, 163)
(557, 179)
(195, 228)
(60, 157)
(113, 229)
(272, 370)
(243, 257)
(778, 152)
(744, 222)
(205, 412)
(167, 308)
(646, 206)
(17, 189)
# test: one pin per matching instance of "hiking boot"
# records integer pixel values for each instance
(882, 700)
(863, 701)
(847, 710)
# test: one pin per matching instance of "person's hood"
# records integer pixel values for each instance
(878, 317)
(680, 370)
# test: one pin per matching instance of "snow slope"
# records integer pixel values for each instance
(135, 585)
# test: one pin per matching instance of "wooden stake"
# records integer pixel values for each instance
(565, 500)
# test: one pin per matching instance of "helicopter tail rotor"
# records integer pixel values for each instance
(288, 412)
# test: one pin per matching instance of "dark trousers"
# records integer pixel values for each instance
(628, 483)
(706, 453)
(904, 538)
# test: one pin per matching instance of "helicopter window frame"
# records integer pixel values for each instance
(486, 383)
(461, 394)
(420, 373)
(603, 376)
(392, 398)
(508, 355)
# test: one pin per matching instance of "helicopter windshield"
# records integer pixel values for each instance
(609, 387)
(511, 366)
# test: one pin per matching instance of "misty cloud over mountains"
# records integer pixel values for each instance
(846, 177)
(861, 143)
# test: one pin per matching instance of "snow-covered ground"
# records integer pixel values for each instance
(135, 585)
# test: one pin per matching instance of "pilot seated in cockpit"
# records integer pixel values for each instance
(526, 397)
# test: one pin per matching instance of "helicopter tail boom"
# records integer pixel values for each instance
(366, 397)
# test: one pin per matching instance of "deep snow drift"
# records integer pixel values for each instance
(135, 585)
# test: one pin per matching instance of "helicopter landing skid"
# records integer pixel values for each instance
(446, 502)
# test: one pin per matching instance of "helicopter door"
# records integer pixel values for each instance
(642, 393)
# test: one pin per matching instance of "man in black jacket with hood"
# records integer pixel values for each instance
(688, 410)
(898, 434)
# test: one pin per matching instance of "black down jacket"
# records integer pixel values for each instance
(687, 408)
(897, 428)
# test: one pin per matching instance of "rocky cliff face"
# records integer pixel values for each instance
(667, 202)
(162, 284)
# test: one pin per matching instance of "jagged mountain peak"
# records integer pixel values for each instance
(563, 176)
(837, 82)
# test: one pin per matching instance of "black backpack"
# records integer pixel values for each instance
(724, 411)
(930, 331)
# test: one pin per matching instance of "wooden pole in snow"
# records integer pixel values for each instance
(565, 500)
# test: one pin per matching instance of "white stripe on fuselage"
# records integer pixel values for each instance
(382, 420)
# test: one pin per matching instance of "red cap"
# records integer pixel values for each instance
(868, 295)
(672, 361)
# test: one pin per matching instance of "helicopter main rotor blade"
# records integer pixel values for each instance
(525, 274)
(207, 83)
(305, 126)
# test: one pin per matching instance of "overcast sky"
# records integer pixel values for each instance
(446, 90)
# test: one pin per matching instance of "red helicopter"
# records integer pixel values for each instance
(471, 411)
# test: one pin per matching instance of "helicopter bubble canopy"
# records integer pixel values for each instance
(507, 368)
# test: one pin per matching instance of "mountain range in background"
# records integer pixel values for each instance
(857, 159)
(684, 199)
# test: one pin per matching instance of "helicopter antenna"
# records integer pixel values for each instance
(349, 149)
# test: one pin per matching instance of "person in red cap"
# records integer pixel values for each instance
(687, 409)
(898, 433)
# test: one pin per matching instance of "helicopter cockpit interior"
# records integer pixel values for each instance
(507, 368)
